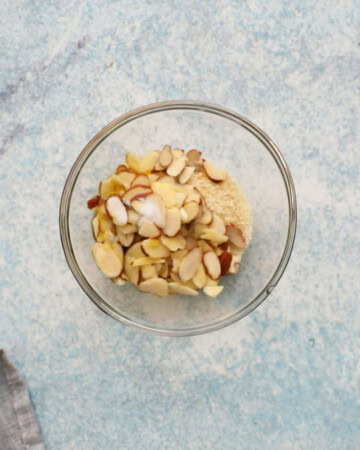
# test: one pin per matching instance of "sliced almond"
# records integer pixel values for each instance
(177, 187)
(237, 258)
(147, 228)
(166, 156)
(174, 276)
(200, 278)
(120, 168)
(210, 282)
(159, 167)
(177, 152)
(172, 222)
(234, 250)
(198, 229)
(204, 245)
(145, 260)
(135, 251)
(133, 217)
(180, 198)
(110, 186)
(192, 210)
(140, 180)
(184, 215)
(133, 162)
(212, 265)
(118, 281)
(148, 162)
(193, 157)
(164, 271)
(126, 240)
(126, 178)
(186, 188)
(217, 224)
(116, 210)
(206, 217)
(193, 196)
(200, 213)
(148, 271)
(218, 250)
(104, 236)
(225, 259)
(157, 286)
(119, 187)
(137, 206)
(177, 288)
(186, 174)
(173, 243)
(133, 273)
(153, 208)
(187, 229)
(154, 248)
(190, 243)
(139, 192)
(134, 193)
(213, 291)
(105, 221)
(190, 264)
(95, 226)
(107, 260)
(118, 250)
(189, 284)
(235, 236)
(176, 167)
(214, 173)
(153, 177)
(176, 265)
(123, 275)
(179, 255)
(129, 228)
(93, 202)
(166, 192)
(167, 179)
(213, 236)
(234, 267)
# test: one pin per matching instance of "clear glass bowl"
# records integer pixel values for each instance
(232, 142)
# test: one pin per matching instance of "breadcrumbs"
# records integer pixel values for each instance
(226, 200)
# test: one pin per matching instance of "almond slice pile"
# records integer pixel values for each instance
(154, 230)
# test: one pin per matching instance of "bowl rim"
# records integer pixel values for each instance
(90, 147)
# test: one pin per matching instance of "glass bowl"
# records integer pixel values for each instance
(230, 141)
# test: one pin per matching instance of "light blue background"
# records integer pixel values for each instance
(285, 377)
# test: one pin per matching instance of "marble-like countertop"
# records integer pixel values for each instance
(286, 376)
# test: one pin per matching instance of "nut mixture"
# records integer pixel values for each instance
(154, 229)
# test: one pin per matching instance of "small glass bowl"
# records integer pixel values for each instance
(230, 141)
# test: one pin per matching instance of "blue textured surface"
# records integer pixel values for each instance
(287, 376)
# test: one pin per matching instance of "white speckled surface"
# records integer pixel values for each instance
(287, 376)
